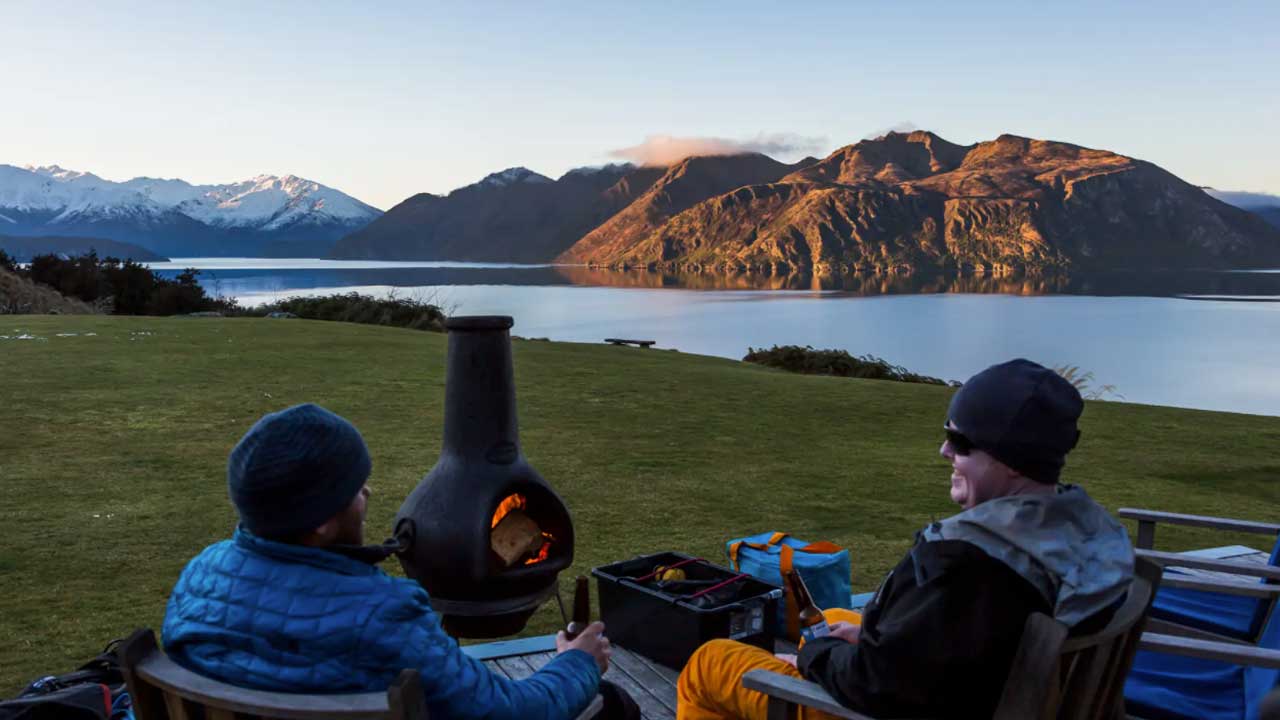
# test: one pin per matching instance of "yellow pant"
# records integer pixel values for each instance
(710, 685)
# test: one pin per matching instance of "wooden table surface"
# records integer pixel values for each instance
(651, 685)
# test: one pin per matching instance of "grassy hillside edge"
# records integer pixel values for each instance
(21, 295)
(113, 448)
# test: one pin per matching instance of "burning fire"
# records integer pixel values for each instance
(543, 551)
(513, 502)
(518, 502)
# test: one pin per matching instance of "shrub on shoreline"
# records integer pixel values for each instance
(366, 309)
(807, 361)
(1083, 381)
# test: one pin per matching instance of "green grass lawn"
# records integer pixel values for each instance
(113, 451)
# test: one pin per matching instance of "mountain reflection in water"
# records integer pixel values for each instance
(1157, 284)
(256, 281)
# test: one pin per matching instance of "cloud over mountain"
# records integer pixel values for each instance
(668, 149)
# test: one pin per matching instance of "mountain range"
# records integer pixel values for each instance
(515, 215)
(23, 249)
(897, 203)
(266, 216)
(1263, 205)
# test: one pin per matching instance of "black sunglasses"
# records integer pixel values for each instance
(959, 443)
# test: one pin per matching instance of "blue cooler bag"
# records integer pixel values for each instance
(824, 566)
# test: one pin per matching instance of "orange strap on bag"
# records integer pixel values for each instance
(786, 564)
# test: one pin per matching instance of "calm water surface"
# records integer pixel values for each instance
(1197, 340)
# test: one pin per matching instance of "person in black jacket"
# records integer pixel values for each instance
(940, 634)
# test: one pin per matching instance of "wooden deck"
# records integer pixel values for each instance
(651, 685)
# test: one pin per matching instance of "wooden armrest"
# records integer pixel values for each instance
(1147, 520)
(1210, 650)
(1157, 626)
(1168, 559)
(1258, 590)
(169, 676)
(1205, 521)
(797, 691)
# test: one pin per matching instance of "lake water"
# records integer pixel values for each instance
(1199, 340)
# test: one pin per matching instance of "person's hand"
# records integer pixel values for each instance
(592, 641)
(787, 658)
(847, 632)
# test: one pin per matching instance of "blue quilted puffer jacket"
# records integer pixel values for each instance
(288, 618)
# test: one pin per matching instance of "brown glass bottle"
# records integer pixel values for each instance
(812, 623)
(581, 608)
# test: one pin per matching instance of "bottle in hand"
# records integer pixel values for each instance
(812, 624)
(581, 608)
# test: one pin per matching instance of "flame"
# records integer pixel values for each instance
(512, 502)
(543, 551)
(518, 502)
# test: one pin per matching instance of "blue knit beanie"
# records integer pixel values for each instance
(1022, 414)
(295, 469)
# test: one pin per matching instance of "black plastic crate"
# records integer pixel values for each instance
(668, 629)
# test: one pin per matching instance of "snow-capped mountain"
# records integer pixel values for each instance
(68, 193)
(267, 215)
(265, 202)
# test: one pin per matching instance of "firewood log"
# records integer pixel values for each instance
(515, 536)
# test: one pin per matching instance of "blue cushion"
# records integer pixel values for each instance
(1173, 687)
(1230, 615)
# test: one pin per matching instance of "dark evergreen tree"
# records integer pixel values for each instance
(134, 289)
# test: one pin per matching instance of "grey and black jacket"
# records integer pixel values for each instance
(939, 636)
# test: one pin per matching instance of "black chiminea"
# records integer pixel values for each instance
(483, 532)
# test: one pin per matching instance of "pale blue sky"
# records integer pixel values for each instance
(383, 99)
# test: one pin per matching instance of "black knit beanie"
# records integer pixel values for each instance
(295, 469)
(1022, 414)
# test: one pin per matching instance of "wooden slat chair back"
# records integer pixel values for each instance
(1053, 676)
(163, 690)
(1056, 677)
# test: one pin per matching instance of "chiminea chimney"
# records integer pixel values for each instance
(483, 532)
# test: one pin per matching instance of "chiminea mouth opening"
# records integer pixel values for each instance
(529, 531)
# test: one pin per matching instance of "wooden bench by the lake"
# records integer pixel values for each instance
(622, 341)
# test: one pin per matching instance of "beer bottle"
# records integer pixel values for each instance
(581, 608)
(812, 624)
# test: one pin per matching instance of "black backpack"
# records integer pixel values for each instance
(94, 691)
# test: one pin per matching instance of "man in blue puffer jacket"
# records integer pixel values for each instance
(290, 604)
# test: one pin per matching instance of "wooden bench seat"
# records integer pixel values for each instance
(621, 341)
